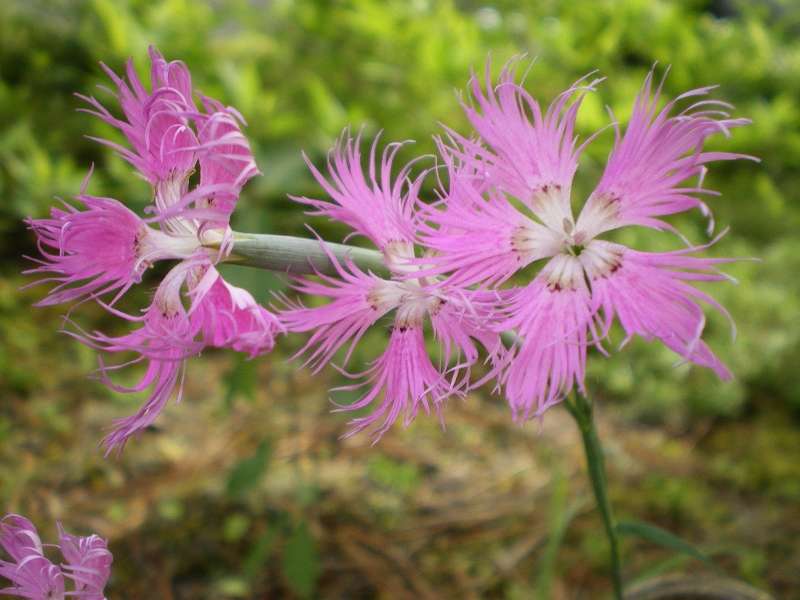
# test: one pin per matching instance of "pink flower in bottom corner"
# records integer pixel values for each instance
(510, 206)
(32, 575)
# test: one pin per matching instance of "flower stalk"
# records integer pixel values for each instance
(583, 413)
(299, 256)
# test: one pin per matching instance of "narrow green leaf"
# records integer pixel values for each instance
(559, 517)
(301, 564)
(246, 474)
(259, 553)
(664, 538)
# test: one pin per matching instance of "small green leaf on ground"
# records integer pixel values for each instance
(246, 474)
(301, 563)
(663, 538)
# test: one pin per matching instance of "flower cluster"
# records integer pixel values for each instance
(106, 248)
(385, 212)
(506, 205)
(33, 575)
(510, 206)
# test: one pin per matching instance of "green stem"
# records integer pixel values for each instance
(581, 410)
(298, 256)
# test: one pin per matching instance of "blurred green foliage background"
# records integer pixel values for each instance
(300, 71)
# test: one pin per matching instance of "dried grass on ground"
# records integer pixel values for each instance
(421, 514)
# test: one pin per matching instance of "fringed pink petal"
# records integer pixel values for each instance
(378, 206)
(525, 153)
(88, 563)
(481, 238)
(358, 301)
(30, 573)
(166, 373)
(165, 340)
(229, 317)
(461, 319)
(90, 252)
(649, 164)
(34, 577)
(651, 298)
(157, 123)
(19, 538)
(408, 380)
(555, 322)
(225, 158)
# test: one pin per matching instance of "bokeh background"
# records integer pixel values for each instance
(245, 489)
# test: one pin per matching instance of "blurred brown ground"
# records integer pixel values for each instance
(469, 517)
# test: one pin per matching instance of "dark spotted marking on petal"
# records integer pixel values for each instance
(612, 262)
(520, 239)
(434, 310)
(610, 199)
(546, 187)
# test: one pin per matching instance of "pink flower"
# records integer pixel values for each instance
(227, 316)
(88, 563)
(220, 315)
(403, 379)
(107, 247)
(34, 576)
(523, 158)
(69, 243)
(157, 123)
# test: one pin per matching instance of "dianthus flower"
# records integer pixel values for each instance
(33, 575)
(404, 378)
(514, 208)
(107, 247)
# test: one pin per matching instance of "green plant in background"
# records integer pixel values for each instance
(300, 560)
